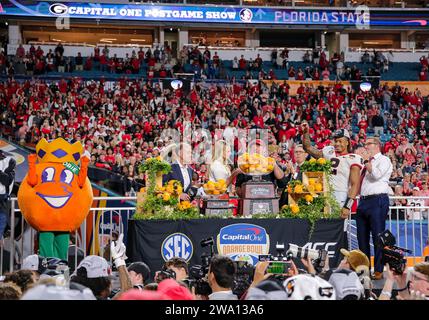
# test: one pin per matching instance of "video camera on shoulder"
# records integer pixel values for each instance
(198, 273)
(392, 255)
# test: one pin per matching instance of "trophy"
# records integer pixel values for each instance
(259, 196)
(216, 201)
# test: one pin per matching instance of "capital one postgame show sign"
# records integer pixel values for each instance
(215, 14)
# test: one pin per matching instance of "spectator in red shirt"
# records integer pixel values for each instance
(424, 61)
(242, 63)
(423, 75)
(88, 63)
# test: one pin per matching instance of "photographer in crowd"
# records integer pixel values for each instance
(412, 284)
(179, 266)
(221, 278)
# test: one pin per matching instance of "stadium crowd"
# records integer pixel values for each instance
(48, 279)
(158, 62)
(120, 123)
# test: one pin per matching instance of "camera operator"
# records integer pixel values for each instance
(417, 287)
(179, 266)
(7, 177)
(221, 278)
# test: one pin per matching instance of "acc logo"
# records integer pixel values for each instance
(58, 9)
(328, 246)
(243, 241)
(177, 245)
(176, 84)
(246, 15)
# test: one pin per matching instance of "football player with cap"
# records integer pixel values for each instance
(94, 273)
(346, 166)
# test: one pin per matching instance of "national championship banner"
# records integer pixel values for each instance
(155, 242)
(359, 17)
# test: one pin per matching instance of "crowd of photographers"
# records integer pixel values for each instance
(295, 274)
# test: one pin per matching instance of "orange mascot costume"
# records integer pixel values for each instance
(56, 195)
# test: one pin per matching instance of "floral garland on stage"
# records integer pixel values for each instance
(311, 198)
(162, 202)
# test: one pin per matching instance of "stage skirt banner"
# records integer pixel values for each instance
(156, 241)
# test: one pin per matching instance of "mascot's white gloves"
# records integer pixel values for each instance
(117, 251)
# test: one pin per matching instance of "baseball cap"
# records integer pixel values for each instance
(53, 292)
(96, 267)
(40, 264)
(416, 189)
(308, 287)
(174, 291)
(341, 133)
(140, 268)
(356, 258)
(33, 263)
(347, 285)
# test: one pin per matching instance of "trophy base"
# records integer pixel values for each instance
(258, 190)
(217, 207)
(249, 207)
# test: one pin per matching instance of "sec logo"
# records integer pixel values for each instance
(177, 245)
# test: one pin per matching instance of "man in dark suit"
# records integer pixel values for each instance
(180, 169)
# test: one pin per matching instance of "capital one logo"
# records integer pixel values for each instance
(177, 245)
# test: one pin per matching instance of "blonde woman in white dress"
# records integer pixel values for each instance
(220, 168)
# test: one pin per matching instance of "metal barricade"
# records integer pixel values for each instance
(13, 252)
(408, 222)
